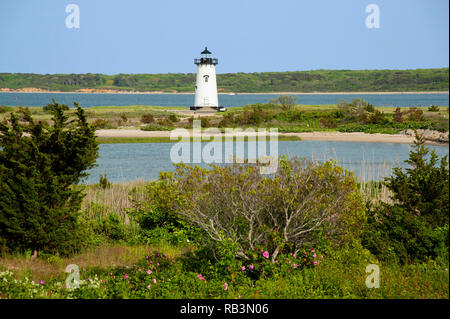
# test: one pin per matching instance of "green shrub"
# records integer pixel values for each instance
(205, 122)
(279, 214)
(377, 117)
(157, 217)
(290, 116)
(113, 227)
(416, 114)
(173, 118)
(398, 116)
(328, 122)
(156, 127)
(253, 115)
(227, 120)
(147, 118)
(287, 102)
(39, 173)
(100, 123)
(433, 108)
(414, 227)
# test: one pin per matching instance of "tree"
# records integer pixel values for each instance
(286, 212)
(422, 189)
(415, 225)
(287, 102)
(40, 167)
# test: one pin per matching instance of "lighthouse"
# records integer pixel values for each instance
(206, 84)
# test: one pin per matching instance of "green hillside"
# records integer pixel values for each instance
(298, 81)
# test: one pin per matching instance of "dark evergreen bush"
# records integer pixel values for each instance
(40, 167)
(415, 226)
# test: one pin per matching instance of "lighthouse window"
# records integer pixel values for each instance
(206, 77)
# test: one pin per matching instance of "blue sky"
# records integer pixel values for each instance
(246, 35)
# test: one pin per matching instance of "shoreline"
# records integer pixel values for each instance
(112, 91)
(306, 136)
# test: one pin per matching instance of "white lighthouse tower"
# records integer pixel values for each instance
(206, 86)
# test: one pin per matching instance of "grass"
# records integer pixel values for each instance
(339, 275)
(103, 257)
(113, 199)
(112, 117)
(166, 139)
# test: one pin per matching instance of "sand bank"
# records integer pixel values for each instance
(309, 136)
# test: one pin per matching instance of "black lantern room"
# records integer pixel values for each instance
(206, 58)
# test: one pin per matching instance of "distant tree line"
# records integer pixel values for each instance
(298, 81)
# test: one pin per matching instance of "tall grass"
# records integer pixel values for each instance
(102, 257)
(115, 198)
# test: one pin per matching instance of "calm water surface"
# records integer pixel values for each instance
(87, 100)
(132, 161)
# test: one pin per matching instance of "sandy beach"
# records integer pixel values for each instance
(309, 136)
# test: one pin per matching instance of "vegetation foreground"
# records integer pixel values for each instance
(307, 231)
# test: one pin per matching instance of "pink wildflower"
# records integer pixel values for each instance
(225, 286)
(242, 268)
(295, 265)
(125, 277)
(312, 250)
(200, 276)
(148, 287)
(266, 254)
(42, 282)
(315, 262)
(149, 272)
(314, 256)
(154, 281)
(251, 267)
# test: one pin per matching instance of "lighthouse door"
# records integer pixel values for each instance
(206, 101)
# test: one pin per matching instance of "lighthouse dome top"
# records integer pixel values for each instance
(206, 51)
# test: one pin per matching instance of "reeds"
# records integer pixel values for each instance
(115, 198)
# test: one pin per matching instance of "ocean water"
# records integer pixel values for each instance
(186, 100)
(132, 161)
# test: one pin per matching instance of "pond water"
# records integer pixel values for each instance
(104, 99)
(133, 161)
